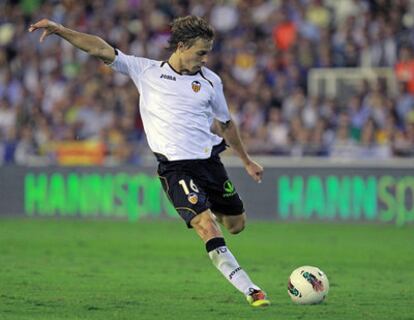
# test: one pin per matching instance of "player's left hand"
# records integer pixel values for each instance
(255, 170)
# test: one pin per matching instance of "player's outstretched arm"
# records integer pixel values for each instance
(230, 132)
(89, 43)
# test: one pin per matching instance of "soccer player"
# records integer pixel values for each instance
(180, 100)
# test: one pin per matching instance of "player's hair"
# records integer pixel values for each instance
(187, 30)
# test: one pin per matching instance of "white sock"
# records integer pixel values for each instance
(224, 260)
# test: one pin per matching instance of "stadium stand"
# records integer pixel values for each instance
(58, 105)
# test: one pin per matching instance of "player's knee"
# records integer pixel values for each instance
(236, 227)
(206, 226)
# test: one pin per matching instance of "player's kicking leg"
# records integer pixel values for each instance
(207, 228)
(234, 224)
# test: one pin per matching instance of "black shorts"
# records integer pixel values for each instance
(193, 186)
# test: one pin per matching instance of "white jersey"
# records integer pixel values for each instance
(177, 110)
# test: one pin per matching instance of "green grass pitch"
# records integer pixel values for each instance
(84, 269)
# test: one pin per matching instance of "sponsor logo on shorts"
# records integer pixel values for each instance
(192, 198)
(229, 189)
(196, 86)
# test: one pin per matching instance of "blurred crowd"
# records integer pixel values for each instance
(51, 92)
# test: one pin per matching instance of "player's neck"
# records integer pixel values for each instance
(175, 63)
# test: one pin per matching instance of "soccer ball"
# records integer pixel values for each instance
(308, 285)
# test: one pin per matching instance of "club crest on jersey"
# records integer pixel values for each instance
(196, 86)
(192, 198)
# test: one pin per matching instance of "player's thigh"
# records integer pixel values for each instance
(188, 198)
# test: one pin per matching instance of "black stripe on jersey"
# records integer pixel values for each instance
(211, 83)
(201, 73)
(178, 72)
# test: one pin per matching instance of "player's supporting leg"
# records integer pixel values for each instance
(207, 228)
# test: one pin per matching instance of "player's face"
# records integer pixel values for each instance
(194, 57)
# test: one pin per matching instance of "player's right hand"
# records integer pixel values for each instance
(49, 27)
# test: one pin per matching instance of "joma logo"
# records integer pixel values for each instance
(168, 77)
(231, 275)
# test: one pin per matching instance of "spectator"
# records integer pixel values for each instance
(404, 103)
(405, 68)
(278, 132)
(369, 148)
(343, 146)
(7, 117)
(284, 31)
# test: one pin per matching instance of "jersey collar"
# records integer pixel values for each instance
(177, 72)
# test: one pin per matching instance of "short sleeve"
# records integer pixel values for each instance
(220, 108)
(128, 64)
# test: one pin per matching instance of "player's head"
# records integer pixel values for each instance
(191, 40)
